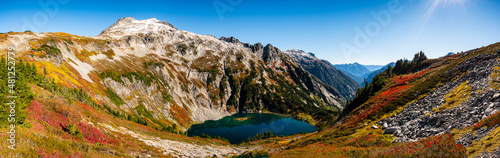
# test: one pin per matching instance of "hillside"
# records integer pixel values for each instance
(325, 72)
(445, 107)
(137, 87)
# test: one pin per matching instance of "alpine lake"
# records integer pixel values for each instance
(242, 126)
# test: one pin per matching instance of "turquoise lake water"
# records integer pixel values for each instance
(240, 127)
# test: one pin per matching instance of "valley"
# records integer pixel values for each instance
(144, 88)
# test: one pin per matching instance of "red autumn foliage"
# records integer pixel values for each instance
(490, 121)
(39, 112)
(180, 114)
(93, 135)
(436, 146)
(45, 154)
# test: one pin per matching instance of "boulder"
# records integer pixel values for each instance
(384, 126)
(496, 95)
(414, 114)
(391, 130)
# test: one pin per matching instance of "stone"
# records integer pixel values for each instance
(384, 126)
(488, 111)
(374, 127)
(491, 105)
(496, 95)
(493, 112)
(391, 130)
(406, 132)
(414, 113)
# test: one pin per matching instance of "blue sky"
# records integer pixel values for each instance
(341, 31)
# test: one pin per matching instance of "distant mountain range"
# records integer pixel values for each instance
(368, 77)
(373, 67)
(360, 73)
(355, 69)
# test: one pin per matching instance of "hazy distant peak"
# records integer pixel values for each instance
(129, 25)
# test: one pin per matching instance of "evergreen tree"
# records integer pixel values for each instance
(22, 92)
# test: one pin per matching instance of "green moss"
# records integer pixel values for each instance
(487, 143)
(495, 83)
(455, 97)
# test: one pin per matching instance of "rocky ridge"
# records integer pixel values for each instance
(325, 72)
(418, 120)
(197, 77)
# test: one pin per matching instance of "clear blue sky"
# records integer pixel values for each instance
(325, 28)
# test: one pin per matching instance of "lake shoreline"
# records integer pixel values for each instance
(242, 126)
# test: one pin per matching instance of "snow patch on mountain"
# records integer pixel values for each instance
(300, 53)
(129, 26)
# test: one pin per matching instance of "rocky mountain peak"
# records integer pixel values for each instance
(129, 26)
(230, 39)
(298, 54)
(270, 53)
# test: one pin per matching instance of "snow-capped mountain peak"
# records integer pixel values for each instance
(300, 53)
(130, 26)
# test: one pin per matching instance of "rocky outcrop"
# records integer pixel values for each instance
(230, 40)
(325, 72)
(270, 53)
(417, 120)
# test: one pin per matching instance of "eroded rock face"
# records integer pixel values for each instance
(417, 120)
(193, 77)
(230, 40)
(325, 72)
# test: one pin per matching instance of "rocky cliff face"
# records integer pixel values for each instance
(180, 77)
(271, 55)
(325, 72)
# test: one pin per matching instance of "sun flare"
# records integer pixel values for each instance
(433, 5)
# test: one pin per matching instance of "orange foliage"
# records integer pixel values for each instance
(436, 146)
(180, 114)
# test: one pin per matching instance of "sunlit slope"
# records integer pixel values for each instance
(446, 109)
